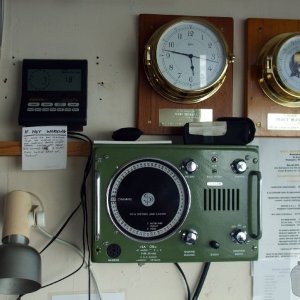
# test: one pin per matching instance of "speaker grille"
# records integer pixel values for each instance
(221, 199)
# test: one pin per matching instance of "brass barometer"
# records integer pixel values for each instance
(279, 67)
(186, 60)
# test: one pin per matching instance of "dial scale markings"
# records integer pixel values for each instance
(166, 222)
(287, 68)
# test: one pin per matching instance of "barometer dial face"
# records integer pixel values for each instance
(279, 63)
(148, 199)
(288, 63)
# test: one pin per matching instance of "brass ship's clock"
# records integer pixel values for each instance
(185, 72)
(279, 64)
(186, 60)
(272, 73)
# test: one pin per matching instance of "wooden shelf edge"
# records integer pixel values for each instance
(14, 148)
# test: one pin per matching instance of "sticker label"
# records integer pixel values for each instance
(283, 121)
(169, 117)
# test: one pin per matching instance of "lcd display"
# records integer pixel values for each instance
(54, 80)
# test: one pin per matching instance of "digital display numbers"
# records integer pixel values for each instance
(54, 92)
(54, 80)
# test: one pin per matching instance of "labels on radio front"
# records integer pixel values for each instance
(175, 203)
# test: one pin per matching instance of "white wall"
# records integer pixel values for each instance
(107, 29)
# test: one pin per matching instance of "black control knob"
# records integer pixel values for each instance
(239, 236)
(189, 236)
(238, 166)
(190, 165)
(214, 244)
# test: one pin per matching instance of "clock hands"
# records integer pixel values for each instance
(181, 53)
(190, 55)
(192, 66)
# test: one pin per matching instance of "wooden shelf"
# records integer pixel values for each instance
(14, 148)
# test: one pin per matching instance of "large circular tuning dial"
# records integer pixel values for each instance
(148, 199)
(238, 166)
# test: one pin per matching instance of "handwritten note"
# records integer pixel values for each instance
(44, 148)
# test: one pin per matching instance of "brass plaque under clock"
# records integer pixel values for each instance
(273, 76)
(185, 71)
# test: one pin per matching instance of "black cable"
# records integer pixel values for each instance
(83, 195)
(185, 280)
(201, 281)
(86, 172)
(61, 228)
(83, 205)
(65, 277)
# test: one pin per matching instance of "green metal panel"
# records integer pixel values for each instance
(221, 204)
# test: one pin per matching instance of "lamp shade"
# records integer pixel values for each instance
(20, 269)
(20, 264)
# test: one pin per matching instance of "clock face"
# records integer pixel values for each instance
(191, 55)
(288, 63)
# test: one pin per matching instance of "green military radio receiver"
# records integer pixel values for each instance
(175, 203)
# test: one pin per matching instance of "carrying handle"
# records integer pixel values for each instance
(258, 233)
(97, 207)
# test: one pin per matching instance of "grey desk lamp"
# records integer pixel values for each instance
(20, 264)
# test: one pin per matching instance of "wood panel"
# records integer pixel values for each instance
(14, 148)
(150, 102)
(258, 105)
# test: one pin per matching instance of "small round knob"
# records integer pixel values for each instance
(239, 166)
(214, 244)
(190, 166)
(190, 236)
(239, 236)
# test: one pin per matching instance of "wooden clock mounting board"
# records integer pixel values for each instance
(258, 105)
(150, 102)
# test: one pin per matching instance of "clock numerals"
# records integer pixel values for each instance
(190, 33)
(190, 57)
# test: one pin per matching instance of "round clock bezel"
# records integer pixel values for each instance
(162, 85)
(270, 79)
